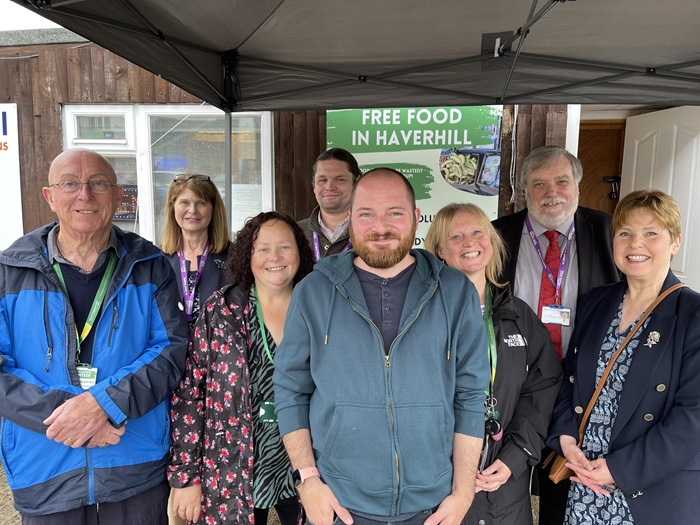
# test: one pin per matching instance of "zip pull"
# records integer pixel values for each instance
(49, 356)
(387, 363)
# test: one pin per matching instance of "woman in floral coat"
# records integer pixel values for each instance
(227, 462)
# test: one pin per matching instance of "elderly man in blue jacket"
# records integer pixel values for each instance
(380, 377)
(92, 337)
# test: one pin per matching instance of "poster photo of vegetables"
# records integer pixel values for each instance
(472, 170)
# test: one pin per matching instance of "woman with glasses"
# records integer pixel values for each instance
(196, 239)
(227, 461)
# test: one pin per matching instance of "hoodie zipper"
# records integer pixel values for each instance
(387, 366)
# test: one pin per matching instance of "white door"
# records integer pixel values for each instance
(662, 151)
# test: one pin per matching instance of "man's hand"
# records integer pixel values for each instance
(320, 503)
(76, 421)
(187, 503)
(492, 477)
(107, 435)
(465, 457)
(451, 511)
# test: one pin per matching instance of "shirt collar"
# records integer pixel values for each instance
(339, 230)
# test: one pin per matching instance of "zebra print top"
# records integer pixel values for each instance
(272, 471)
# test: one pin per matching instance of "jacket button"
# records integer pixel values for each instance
(482, 522)
(648, 417)
(660, 388)
(578, 410)
(571, 379)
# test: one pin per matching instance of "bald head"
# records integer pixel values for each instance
(387, 174)
(74, 161)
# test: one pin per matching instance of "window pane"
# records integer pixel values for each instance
(100, 127)
(195, 144)
(125, 168)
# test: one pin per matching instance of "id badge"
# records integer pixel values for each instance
(267, 412)
(87, 374)
(556, 315)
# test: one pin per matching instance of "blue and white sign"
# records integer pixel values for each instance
(11, 210)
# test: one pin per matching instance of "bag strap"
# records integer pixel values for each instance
(617, 353)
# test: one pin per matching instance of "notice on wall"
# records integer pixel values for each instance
(11, 210)
(449, 154)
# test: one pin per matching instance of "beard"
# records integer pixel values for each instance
(382, 257)
(551, 222)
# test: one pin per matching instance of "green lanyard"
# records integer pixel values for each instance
(258, 308)
(491, 336)
(97, 301)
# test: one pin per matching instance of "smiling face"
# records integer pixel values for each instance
(551, 193)
(333, 184)
(643, 248)
(383, 221)
(275, 257)
(192, 213)
(467, 246)
(82, 214)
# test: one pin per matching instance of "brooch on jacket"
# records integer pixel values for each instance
(652, 339)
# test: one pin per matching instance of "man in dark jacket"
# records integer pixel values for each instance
(583, 259)
(335, 173)
(92, 336)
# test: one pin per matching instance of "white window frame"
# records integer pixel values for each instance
(137, 143)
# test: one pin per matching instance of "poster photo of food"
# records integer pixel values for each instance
(449, 154)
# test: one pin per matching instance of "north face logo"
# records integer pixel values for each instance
(515, 340)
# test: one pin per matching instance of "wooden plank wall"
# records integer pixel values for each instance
(535, 126)
(40, 78)
(300, 136)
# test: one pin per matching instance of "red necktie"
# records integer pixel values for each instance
(547, 287)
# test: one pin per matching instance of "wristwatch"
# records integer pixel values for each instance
(300, 475)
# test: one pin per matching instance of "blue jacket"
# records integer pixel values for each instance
(382, 427)
(139, 350)
(654, 451)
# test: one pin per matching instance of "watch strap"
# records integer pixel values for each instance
(302, 474)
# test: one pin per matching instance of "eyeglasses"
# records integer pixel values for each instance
(74, 186)
(186, 177)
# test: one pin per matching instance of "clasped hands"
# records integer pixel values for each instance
(81, 420)
(593, 474)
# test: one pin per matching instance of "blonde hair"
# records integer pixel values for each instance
(205, 189)
(662, 206)
(443, 222)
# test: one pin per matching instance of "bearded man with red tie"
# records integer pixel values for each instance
(557, 252)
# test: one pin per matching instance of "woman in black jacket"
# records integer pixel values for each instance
(525, 370)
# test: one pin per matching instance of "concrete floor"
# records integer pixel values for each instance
(8, 514)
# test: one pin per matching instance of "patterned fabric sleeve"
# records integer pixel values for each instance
(187, 416)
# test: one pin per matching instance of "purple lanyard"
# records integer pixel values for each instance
(317, 247)
(562, 262)
(186, 292)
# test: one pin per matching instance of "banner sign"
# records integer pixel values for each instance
(11, 211)
(449, 154)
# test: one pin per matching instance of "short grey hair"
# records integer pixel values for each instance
(545, 156)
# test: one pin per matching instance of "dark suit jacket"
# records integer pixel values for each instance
(654, 453)
(596, 265)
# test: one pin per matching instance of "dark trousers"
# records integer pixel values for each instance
(147, 508)
(553, 498)
(288, 510)
(417, 519)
